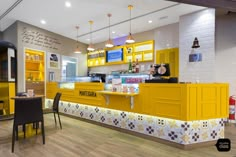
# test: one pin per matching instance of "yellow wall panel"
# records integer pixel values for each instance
(194, 109)
(12, 93)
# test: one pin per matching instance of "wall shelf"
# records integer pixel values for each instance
(107, 94)
(34, 71)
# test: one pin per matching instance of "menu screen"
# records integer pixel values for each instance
(114, 55)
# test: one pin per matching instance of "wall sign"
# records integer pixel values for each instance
(88, 93)
(53, 60)
(34, 37)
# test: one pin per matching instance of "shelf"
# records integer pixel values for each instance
(33, 71)
(107, 94)
(34, 61)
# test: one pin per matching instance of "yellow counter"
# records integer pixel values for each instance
(176, 101)
(185, 101)
(183, 114)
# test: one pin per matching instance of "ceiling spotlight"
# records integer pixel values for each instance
(43, 22)
(113, 32)
(150, 21)
(67, 4)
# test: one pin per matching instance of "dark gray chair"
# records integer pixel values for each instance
(55, 108)
(27, 110)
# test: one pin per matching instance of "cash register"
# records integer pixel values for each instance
(161, 75)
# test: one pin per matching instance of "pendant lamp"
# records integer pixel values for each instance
(77, 50)
(130, 39)
(109, 42)
(91, 47)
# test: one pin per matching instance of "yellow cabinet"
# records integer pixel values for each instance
(143, 51)
(96, 58)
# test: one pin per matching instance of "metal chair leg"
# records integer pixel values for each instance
(59, 119)
(13, 139)
(55, 118)
(43, 132)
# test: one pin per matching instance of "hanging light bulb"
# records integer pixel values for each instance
(77, 50)
(109, 42)
(130, 39)
(91, 47)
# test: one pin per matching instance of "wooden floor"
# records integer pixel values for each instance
(82, 139)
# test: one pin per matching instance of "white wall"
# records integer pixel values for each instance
(200, 24)
(167, 36)
(226, 50)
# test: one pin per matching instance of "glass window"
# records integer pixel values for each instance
(69, 67)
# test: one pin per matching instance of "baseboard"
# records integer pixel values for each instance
(6, 117)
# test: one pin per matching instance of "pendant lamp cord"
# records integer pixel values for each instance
(130, 8)
(130, 20)
(91, 36)
(77, 27)
(109, 15)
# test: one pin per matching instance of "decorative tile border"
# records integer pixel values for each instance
(182, 132)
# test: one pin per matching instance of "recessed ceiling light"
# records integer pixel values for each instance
(113, 32)
(67, 4)
(43, 22)
(150, 21)
(88, 39)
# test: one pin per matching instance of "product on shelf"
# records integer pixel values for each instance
(133, 67)
(137, 66)
(130, 67)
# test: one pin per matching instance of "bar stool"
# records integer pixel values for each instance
(1, 107)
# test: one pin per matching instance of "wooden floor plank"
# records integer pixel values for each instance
(82, 139)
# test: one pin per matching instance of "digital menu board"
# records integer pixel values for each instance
(114, 55)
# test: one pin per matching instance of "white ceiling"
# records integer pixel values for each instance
(62, 20)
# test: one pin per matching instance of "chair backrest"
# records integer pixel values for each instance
(56, 100)
(1, 105)
(28, 110)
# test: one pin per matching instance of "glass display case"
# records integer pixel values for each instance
(128, 83)
(69, 82)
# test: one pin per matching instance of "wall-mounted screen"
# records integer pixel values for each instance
(114, 55)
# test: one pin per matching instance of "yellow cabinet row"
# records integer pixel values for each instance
(143, 51)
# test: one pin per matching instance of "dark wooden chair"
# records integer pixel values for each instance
(55, 108)
(27, 110)
(1, 107)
